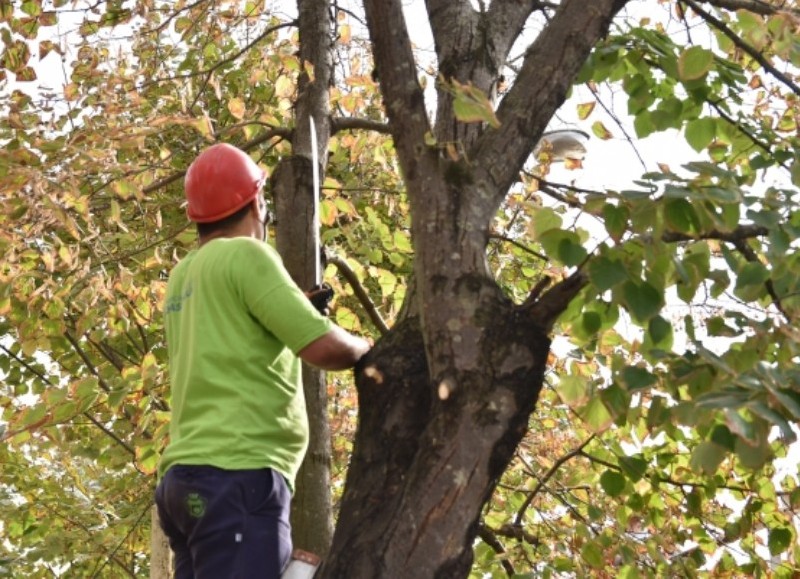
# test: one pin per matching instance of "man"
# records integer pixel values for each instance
(237, 327)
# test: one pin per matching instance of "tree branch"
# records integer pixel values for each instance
(540, 88)
(545, 309)
(489, 536)
(740, 233)
(351, 123)
(209, 73)
(516, 243)
(755, 6)
(43, 378)
(750, 256)
(548, 475)
(739, 43)
(360, 292)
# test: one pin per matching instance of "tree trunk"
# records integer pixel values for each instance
(428, 456)
(312, 526)
(445, 398)
(160, 553)
(312, 523)
(294, 198)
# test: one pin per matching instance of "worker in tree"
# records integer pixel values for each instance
(237, 327)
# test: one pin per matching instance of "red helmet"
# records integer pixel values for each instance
(220, 181)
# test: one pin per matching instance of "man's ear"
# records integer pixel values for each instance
(254, 207)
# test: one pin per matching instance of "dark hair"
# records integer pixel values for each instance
(205, 229)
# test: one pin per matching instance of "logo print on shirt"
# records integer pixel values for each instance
(175, 303)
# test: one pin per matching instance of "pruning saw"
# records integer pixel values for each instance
(315, 219)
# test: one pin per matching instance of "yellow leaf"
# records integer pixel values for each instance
(49, 262)
(204, 126)
(237, 108)
(452, 152)
(600, 131)
(65, 255)
(71, 91)
(147, 459)
(345, 34)
(309, 68)
(284, 87)
(471, 105)
(328, 212)
(124, 189)
(585, 109)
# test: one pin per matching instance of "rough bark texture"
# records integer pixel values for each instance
(446, 396)
(427, 456)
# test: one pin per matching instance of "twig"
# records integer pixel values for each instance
(360, 292)
(489, 536)
(739, 43)
(548, 475)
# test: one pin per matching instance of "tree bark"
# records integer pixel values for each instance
(312, 525)
(445, 397)
(160, 553)
(427, 456)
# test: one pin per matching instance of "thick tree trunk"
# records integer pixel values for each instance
(445, 398)
(428, 456)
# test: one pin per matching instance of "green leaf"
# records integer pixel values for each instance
(642, 300)
(660, 331)
(706, 457)
(564, 246)
(634, 467)
(681, 217)
(592, 553)
(694, 63)
(573, 390)
(700, 133)
(543, 220)
(605, 273)
(753, 456)
(722, 436)
(616, 220)
(643, 124)
(613, 483)
(600, 131)
(591, 322)
(750, 281)
(596, 415)
(636, 378)
(779, 540)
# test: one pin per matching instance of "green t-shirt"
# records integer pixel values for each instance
(235, 321)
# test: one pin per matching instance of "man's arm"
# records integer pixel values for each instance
(336, 350)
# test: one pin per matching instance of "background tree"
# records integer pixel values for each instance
(651, 448)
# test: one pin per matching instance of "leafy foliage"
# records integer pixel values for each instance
(656, 448)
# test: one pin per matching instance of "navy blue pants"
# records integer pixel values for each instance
(225, 524)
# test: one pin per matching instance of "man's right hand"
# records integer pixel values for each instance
(320, 297)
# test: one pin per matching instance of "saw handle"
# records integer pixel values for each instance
(320, 297)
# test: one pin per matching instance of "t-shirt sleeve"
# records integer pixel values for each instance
(272, 297)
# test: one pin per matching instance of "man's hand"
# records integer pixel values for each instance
(320, 297)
